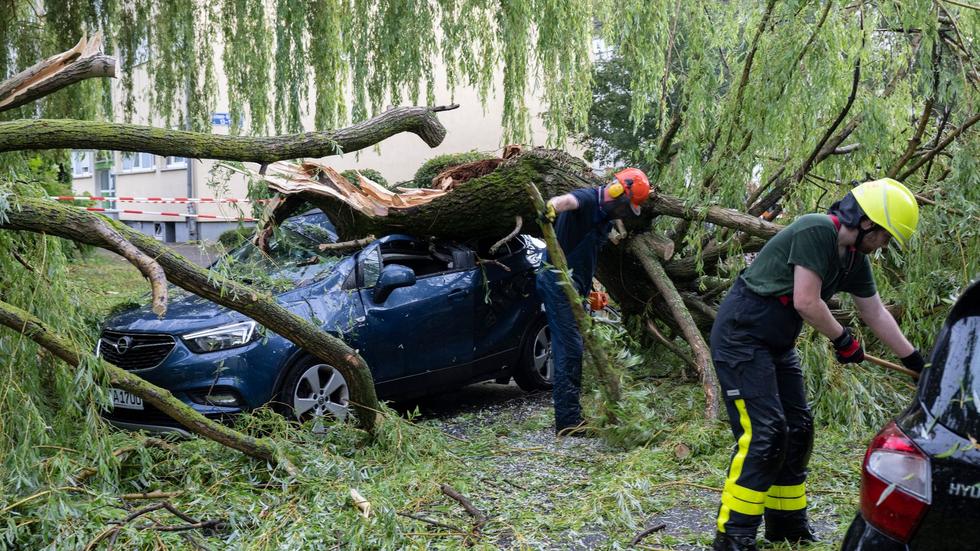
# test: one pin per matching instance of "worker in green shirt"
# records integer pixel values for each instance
(753, 350)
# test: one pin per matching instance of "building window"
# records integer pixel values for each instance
(81, 163)
(138, 161)
(176, 162)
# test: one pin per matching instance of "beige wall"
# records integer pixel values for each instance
(470, 127)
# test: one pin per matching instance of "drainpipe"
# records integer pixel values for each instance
(191, 207)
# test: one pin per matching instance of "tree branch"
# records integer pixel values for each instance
(82, 62)
(34, 329)
(146, 265)
(72, 134)
(747, 67)
(941, 145)
(729, 218)
(683, 318)
(825, 146)
(43, 216)
(920, 129)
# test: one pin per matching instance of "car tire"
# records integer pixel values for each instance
(313, 390)
(536, 365)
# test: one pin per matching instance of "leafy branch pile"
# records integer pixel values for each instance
(745, 114)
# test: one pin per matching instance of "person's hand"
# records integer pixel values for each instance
(914, 361)
(549, 214)
(847, 348)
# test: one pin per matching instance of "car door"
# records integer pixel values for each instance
(420, 328)
(508, 304)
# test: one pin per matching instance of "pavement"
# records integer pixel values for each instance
(202, 254)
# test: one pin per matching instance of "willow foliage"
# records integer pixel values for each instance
(755, 85)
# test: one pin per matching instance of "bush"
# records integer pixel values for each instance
(235, 237)
(368, 173)
(431, 168)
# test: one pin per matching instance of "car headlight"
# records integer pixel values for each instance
(220, 338)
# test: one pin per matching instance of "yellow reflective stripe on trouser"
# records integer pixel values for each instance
(739, 498)
(787, 498)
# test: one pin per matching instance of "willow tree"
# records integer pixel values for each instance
(760, 108)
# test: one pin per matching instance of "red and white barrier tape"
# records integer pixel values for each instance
(185, 214)
(177, 200)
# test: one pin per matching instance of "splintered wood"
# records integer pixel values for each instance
(368, 197)
(45, 74)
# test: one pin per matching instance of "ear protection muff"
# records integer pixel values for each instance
(617, 189)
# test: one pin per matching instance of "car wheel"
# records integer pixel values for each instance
(317, 391)
(536, 366)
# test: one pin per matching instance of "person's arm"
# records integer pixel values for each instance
(564, 202)
(807, 301)
(883, 325)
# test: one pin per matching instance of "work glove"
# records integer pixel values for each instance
(848, 349)
(549, 214)
(598, 300)
(914, 361)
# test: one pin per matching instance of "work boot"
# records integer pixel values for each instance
(580, 430)
(800, 534)
(789, 526)
(725, 542)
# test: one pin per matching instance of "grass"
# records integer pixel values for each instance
(537, 492)
(108, 281)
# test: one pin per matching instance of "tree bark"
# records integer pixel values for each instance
(73, 134)
(83, 61)
(259, 448)
(41, 216)
(484, 207)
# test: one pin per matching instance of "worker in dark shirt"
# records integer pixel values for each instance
(583, 219)
(753, 350)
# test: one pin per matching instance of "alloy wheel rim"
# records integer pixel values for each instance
(543, 361)
(321, 393)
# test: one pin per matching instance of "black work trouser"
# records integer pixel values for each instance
(758, 368)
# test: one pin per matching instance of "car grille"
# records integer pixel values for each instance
(150, 415)
(132, 351)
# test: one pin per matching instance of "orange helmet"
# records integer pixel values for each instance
(634, 183)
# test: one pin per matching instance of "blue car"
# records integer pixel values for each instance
(426, 315)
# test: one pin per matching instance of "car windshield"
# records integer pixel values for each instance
(952, 393)
(292, 259)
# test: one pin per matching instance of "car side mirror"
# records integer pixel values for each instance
(391, 278)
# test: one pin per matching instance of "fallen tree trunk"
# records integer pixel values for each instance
(47, 217)
(259, 448)
(483, 208)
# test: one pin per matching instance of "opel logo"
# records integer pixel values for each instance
(123, 344)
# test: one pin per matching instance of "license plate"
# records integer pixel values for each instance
(125, 400)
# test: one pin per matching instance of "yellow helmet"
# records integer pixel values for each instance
(891, 205)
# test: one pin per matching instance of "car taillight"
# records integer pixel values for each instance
(896, 485)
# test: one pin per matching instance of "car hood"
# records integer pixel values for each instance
(187, 312)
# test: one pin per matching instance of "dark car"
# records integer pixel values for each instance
(426, 316)
(920, 484)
